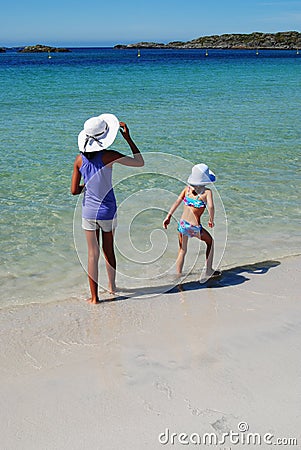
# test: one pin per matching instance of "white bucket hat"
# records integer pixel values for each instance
(201, 175)
(98, 133)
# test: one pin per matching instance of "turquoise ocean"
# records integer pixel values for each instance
(234, 110)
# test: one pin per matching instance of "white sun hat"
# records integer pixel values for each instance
(98, 133)
(201, 175)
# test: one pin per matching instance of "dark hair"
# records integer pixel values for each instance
(89, 155)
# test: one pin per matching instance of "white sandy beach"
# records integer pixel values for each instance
(116, 375)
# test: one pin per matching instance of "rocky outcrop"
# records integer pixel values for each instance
(42, 48)
(283, 41)
(2, 50)
(142, 45)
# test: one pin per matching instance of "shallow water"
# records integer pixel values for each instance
(233, 110)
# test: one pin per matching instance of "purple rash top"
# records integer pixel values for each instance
(99, 201)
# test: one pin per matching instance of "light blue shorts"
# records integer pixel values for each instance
(104, 225)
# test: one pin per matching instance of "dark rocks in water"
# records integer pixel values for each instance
(42, 48)
(141, 45)
(2, 50)
(284, 40)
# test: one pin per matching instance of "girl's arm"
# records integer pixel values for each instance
(210, 207)
(76, 187)
(179, 200)
(112, 156)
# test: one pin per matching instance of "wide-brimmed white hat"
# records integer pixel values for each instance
(201, 175)
(98, 133)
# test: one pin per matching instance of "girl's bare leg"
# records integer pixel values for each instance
(207, 238)
(109, 254)
(183, 240)
(93, 257)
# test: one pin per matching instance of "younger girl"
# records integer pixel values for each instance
(196, 197)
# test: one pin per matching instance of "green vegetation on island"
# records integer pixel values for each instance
(42, 48)
(285, 40)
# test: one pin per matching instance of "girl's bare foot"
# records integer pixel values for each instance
(213, 273)
(94, 301)
(112, 289)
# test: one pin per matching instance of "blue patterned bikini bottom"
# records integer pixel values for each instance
(186, 229)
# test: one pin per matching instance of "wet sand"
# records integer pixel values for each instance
(199, 359)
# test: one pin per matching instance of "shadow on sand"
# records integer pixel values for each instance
(230, 277)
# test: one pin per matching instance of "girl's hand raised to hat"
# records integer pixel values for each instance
(137, 157)
(124, 130)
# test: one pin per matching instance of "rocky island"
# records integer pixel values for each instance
(42, 48)
(285, 40)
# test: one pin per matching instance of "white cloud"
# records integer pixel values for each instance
(281, 3)
(284, 17)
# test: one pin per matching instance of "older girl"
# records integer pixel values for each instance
(99, 212)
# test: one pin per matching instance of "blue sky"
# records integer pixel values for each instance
(99, 23)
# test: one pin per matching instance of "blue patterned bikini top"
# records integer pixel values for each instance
(194, 202)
